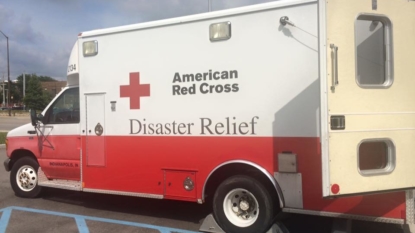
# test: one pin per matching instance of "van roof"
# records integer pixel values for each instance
(196, 17)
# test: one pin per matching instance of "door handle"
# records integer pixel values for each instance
(334, 67)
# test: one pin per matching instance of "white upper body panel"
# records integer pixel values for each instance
(274, 89)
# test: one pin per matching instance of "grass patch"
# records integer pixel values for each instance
(3, 137)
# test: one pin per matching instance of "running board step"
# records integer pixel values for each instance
(62, 184)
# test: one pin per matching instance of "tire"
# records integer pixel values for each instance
(247, 197)
(23, 178)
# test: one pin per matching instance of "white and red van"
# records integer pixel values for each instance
(300, 106)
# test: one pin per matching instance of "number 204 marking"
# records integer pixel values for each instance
(71, 68)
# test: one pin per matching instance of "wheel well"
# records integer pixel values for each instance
(20, 153)
(228, 170)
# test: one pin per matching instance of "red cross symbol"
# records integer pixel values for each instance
(135, 90)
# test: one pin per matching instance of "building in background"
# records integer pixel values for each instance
(53, 87)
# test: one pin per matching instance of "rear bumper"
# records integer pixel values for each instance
(7, 164)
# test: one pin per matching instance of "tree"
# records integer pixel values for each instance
(35, 99)
(48, 97)
(15, 93)
(27, 79)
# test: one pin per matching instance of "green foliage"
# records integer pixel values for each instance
(16, 92)
(47, 97)
(3, 137)
(29, 76)
(35, 98)
(19, 84)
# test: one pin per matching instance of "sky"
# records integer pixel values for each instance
(42, 32)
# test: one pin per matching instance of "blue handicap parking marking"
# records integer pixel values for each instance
(81, 220)
(4, 220)
(82, 227)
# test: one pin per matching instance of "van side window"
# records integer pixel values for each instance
(374, 51)
(65, 110)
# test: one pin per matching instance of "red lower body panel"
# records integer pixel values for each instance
(138, 164)
(148, 165)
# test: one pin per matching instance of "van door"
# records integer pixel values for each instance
(367, 51)
(95, 125)
(59, 149)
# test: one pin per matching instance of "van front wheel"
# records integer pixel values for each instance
(243, 205)
(23, 178)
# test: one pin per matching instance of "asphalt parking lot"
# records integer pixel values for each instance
(13, 215)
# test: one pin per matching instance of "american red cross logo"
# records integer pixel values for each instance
(135, 90)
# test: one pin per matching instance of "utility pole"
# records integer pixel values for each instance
(7, 100)
(8, 72)
(209, 6)
(24, 84)
(2, 83)
(24, 88)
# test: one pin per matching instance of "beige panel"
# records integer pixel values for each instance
(371, 113)
(340, 30)
(344, 165)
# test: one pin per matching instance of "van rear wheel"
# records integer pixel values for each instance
(24, 178)
(241, 204)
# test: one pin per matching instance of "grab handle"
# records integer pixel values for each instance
(334, 67)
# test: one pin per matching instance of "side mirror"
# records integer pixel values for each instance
(33, 117)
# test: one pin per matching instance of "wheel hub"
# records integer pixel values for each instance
(26, 178)
(244, 205)
(241, 207)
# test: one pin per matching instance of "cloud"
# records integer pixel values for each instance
(18, 27)
(144, 10)
(5, 15)
(29, 59)
(22, 30)
(227, 4)
(32, 48)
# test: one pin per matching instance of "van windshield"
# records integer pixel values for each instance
(65, 110)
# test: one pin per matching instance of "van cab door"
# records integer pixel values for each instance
(60, 147)
(367, 51)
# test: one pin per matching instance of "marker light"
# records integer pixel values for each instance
(335, 188)
(90, 48)
(220, 31)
